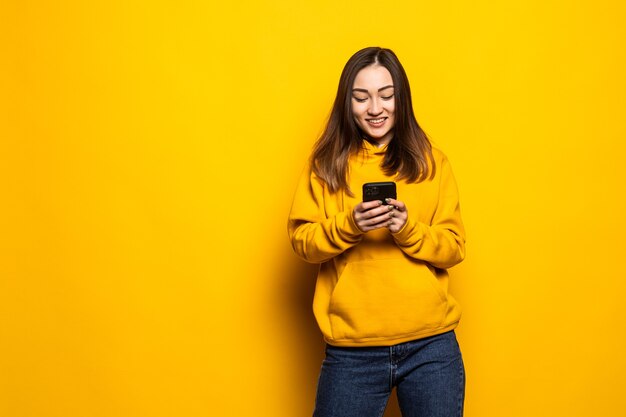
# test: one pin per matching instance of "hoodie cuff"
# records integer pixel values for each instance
(349, 226)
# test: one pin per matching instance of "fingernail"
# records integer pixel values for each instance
(390, 208)
(387, 200)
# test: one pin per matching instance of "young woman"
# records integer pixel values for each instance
(381, 298)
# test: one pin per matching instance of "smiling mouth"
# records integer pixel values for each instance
(376, 122)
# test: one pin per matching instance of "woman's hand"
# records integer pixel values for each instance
(372, 215)
(398, 215)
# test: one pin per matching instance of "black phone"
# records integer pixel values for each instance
(379, 191)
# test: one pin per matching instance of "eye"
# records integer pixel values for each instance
(387, 98)
(359, 100)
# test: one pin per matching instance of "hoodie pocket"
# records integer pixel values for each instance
(386, 298)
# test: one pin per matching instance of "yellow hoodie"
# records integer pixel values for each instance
(380, 288)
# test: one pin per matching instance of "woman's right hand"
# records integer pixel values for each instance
(372, 215)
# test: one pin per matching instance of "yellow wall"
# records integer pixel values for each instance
(149, 151)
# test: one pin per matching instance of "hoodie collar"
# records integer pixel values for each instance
(372, 149)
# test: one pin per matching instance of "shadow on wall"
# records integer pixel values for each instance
(297, 285)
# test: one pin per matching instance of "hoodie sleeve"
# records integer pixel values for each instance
(316, 236)
(441, 243)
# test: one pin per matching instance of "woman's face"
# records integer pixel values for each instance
(373, 103)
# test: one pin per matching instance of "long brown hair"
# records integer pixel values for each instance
(409, 153)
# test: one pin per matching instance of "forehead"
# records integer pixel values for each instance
(373, 77)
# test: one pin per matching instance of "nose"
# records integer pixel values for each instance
(375, 107)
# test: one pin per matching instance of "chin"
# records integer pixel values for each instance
(378, 136)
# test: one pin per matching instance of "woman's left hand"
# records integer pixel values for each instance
(398, 215)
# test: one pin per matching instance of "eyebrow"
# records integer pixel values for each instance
(365, 91)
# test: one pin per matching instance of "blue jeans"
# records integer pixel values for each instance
(428, 375)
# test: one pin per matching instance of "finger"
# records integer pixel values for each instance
(383, 219)
(394, 225)
(377, 211)
(400, 206)
(367, 205)
(371, 223)
(381, 225)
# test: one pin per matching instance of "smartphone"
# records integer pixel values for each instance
(379, 191)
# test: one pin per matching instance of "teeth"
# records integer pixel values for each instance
(376, 121)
